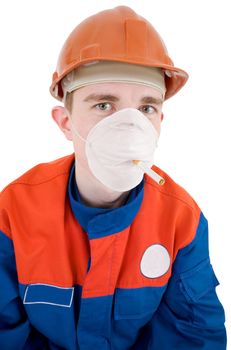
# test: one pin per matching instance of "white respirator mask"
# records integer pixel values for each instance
(120, 148)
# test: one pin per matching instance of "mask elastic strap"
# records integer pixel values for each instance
(74, 128)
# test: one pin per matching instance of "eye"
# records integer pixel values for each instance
(104, 106)
(148, 109)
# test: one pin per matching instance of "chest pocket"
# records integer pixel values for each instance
(50, 310)
(48, 294)
(136, 303)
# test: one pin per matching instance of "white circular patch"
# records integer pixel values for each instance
(155, 261)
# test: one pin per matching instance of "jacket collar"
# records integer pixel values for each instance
(100, 222)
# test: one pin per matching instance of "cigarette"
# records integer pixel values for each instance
(156, 177)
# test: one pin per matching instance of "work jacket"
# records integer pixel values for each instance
(77, 277)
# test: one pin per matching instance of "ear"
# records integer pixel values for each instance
(162, 116)
(60, 116)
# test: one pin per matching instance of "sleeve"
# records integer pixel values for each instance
(16, 331)
(190, 315)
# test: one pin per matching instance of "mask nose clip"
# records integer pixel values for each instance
(124, 126)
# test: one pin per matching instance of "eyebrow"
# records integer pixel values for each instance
(113, 98)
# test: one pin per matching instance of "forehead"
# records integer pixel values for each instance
(119, 89)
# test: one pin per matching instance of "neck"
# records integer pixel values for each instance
(94, 194)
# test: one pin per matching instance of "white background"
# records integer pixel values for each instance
(195, 143)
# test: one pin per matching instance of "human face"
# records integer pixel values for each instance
(92, 103)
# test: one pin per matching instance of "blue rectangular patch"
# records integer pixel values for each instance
(48, 294)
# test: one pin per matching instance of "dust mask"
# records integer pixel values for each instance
(120, 148)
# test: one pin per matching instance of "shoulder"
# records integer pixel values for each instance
(171, 189)
(176, 207)
(41, 184)
(43, 172)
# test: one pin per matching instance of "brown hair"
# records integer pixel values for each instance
(68, 102)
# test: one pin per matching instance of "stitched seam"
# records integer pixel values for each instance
(6, 232)
(57, 283)
(196, 296)
(46, 302)
(97, 291)
(33, 184)
(196, 216)
(119, 315)
(188, 301)
(195, 232)
(200, 266)
(172, 195)
(111, 262)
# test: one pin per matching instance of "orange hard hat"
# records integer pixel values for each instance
(121, 35)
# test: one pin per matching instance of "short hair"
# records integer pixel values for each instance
(69, 102)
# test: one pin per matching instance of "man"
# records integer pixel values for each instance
(102, 249)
